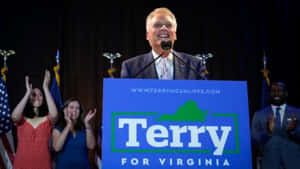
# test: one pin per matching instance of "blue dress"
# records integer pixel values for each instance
(74, 153)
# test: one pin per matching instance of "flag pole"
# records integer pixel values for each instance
(55, 86)
(57, 67)
(265, 71)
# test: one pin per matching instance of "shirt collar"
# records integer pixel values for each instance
(170, 56)
(282, 107)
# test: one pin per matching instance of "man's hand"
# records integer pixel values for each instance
(271, 124)
(292, 123)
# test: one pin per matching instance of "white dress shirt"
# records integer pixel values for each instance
(169, 64)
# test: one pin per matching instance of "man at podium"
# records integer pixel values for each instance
(162, 62)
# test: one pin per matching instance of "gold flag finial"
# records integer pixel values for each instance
(5, 54)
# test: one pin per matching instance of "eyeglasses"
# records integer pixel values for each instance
(159, 25)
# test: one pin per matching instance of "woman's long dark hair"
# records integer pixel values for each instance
(79, 125)
(29, 109)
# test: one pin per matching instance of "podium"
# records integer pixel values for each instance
(175, 124)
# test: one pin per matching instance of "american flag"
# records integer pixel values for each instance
(5, 119)
(6, 141)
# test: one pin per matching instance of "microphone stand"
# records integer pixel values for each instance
(138, 73)
(165, 45)
(202, 76)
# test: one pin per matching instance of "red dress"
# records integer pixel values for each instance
(32, 149)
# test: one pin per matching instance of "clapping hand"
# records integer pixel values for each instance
(46, 81)
(271, 124)
(67, 117)
(292, 123)
(88, 118)
(28, 85)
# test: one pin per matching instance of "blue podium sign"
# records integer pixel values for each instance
(175, 124)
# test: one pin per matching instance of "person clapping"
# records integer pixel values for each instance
(73, 136)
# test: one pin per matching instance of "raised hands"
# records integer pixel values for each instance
(88, 117)
(90, 137)
(28, 85)
(67, 117)
(46, 81)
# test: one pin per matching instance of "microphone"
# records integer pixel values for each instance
(165, 45)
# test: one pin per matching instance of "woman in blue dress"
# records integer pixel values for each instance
(73, 136)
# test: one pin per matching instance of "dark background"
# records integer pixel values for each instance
(236, 32)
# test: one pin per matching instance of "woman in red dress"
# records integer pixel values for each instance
(34, 125)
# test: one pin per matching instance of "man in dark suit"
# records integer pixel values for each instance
(276, 131)
(161, 27)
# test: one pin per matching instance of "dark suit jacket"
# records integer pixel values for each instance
(132, 66)
(281, 147)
